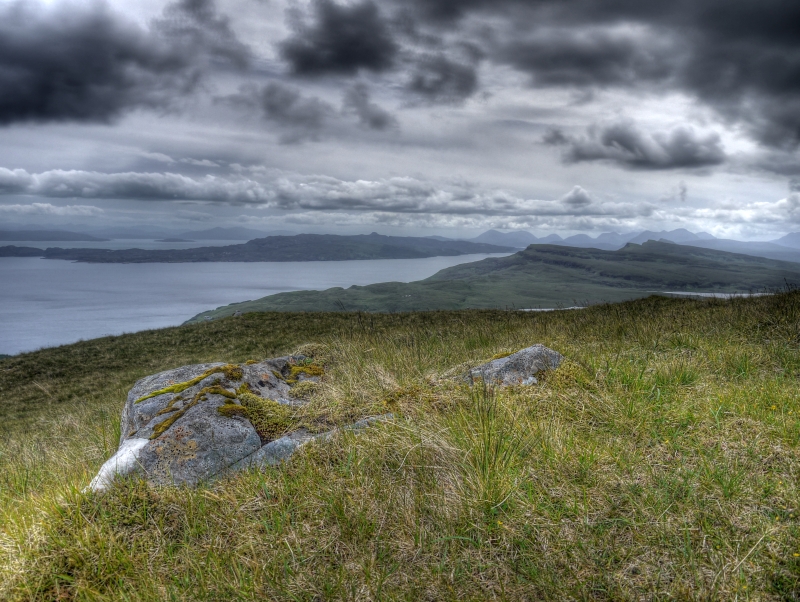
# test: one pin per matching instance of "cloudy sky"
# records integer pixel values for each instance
(402, 116)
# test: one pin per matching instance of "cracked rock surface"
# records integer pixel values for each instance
(172, 431)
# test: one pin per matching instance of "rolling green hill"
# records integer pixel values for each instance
(546, 276)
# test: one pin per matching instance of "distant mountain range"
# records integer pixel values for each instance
(236, 233)
(607, 240)
(786, 248)
(547, 276)
(790, 240)
(302, 247)
(783, 249)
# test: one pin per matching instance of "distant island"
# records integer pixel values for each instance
(302, 247)
(48, 235)
(546, 276)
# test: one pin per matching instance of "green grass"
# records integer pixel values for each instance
(661, 462)
(546, 276)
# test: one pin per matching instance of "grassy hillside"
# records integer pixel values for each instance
(546, 276)
(661, 462)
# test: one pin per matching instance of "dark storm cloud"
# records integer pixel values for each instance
(302, 117)
(370, 115)
(625, 144)
(342, 39)
(196, 26)
(740, 57)
(440, 79)
(83, 63)
(619, 55)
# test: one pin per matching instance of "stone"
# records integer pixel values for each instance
(518, 368)
(187, 425)
(172, 431)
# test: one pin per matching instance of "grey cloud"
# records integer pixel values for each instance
(196, 26)
(627, 145)
(73, 62)
(587, 56)
(412, 196)
(302, 117)
(577, 198)
(342, 40)
(440, 79)
(320, 195)
(555, 137)
(132, 185)
(794, 185)
(740, 57)
(52, 210)
(370, 115)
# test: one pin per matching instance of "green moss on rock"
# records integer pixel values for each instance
(268, 417)
(229, 410)
(231, 372)
(309, 370)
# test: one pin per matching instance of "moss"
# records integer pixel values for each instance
(231, 372)
(277, 374)
(303, 390)
(217, 390)
(214, 389)
(170, 406)
(250, 362)
(499, 356)
(568, 375)
(162, 427)
(306, 369)
(229, 410)
(268, 417)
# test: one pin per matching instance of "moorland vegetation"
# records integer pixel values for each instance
(659, 462)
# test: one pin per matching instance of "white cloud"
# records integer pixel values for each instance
(49, 209)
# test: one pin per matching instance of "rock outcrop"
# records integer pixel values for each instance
(199, 422)
(186, 425)
(519, 368)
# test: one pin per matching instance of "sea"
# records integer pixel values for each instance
(46, 302)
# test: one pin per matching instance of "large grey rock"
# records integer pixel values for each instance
(180, 437)
(518, 368)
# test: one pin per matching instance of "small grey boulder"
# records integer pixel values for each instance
(519, 368)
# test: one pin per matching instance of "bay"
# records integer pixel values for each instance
(44, 302)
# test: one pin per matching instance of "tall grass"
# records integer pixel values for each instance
(661, 462)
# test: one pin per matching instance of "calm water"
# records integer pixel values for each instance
(44, 303)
